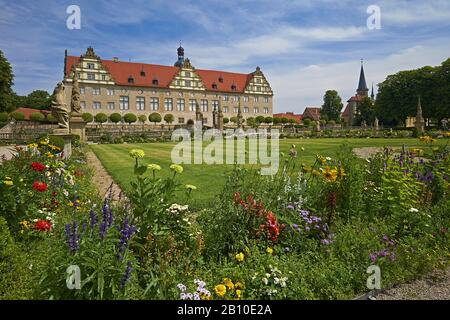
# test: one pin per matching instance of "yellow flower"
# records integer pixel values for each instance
(238, 294)
(329, 174)
(25, 224)
(321, 159)
(43, 142)
(32, 145)
(426, 139)
(341, 172)
(191, 187)
(228, 283)
(315, 172)
(306, 168)
(220, 290)
(154, 167)
(137, 153)
(269, 250)
(239, 257)
(238, 285)
(177, 168)
(8, 183)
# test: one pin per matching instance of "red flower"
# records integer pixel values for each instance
(43, 225)
(39, 186)
(36, 166)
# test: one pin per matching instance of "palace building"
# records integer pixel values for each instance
(110, 86)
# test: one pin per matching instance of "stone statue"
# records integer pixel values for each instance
(75, 106)
(376, 124)
(198, 113)
(239, 117)
(220, 118)
(317, 125)
(420, 123)
(59, 106)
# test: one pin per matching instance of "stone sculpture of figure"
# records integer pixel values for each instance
(198, 113)
(59, 106)
(75, 106)
(317, 125)
(375, 123)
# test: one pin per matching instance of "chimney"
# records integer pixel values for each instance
(116, 59)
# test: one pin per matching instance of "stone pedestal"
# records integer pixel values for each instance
(77, 127)
(67, 138)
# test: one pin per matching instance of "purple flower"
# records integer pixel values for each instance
(295, 226)
(372, 257)
(196, 296)
(392, 256)
(71, 235)
(92, 218)
(102, 229)
(384, 238)
(290, 207)
(125, 234)
(382, 253)
(126, 275)
(325, 242)
(392, 242)
(181, 287)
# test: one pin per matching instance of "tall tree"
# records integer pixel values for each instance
(6, 82)
(332, 105)
(366, 112)
(39, 99)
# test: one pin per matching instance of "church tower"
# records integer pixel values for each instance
(362, 90)
(180, 51)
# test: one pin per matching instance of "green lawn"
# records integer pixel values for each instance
(209, 178)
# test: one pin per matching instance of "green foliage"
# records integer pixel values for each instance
(142, 118)
(38, 99)
(18, 116)
(101, 117)
(233, 119)
(226, 120)
(306, 122)
(3, 117)
(51, 118)
(87, 117)
(366, 112)
(130, 118)
(169, 118)
(115, 117)
(268, 120)
(6, 82)
(37, 116)
(155, 117)
(332, 105)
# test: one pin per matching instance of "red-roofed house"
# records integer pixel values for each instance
(289, 115)
(312, 113)
(115, 86)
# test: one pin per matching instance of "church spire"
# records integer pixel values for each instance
(180, 52)
(372, 95)
(362, 86)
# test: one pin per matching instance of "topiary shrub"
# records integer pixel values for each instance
(155, 117)
(130, 118)
(51, 119)
(115, 117)
(101, 117)
(169, 118)
(142, 118)
(18, 116)
(88, 117)
(37, 116)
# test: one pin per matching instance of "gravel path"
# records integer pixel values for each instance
(6, 151)
(101, 178)
(435, 286)
(366, 152)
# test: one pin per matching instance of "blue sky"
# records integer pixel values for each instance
(304, 47)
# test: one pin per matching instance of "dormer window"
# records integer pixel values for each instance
(220, 79)
(233, 87)
(214, 85)
(130, 79)
(155, 82)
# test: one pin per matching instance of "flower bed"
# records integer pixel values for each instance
(309, 232)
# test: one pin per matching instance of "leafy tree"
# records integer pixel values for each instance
(366, 112)
(226, 120)
(251, 121)
(190, 122)
(87, 117)
(6, 82)
(284, 120)
(18, 101)
(101, 117)
(115, 117)
(233, 119)
(259, 119)
(18, 116)
(306, 122)
(3, 117)
(268, 120)
(39, 99)
(276, 120)
(292, 121)
(37, 116)
(155, 117)
(331, 122)
(142, 118)
(169, 118)
(130, 118)
(332, 105)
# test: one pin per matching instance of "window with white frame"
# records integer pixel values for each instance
(83, 104)
(204, 105)
(91, 76)
(245, 109)
(225, 97)
(192, 103)
(235, 98)
(255, 110)
(215, 104)
(168, 104)
(246, 99)
(225, 109)
(187, 83)
(91, 66)
(110, 105)
(103, 77)
(96, 91)
(266, 110)
(236, 109)
(154, 103)
(110, 92)
(140, 103)
(180, 104)
(124, 103)
(82, 90)
(96, 105)
(255, 99)
(266, 99)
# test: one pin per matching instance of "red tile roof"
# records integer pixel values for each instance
(289, 115)
(356, 98)
(121, 71)
(346, 111)
(28, 111)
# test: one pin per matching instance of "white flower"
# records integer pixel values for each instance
(413, 210)
(276, 280)
(328, 158)
(65, 192)
(265, 281)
